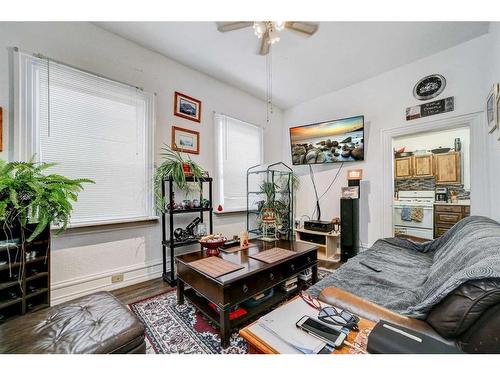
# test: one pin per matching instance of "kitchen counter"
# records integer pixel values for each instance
(458, 203)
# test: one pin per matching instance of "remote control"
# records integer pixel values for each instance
(373, 268)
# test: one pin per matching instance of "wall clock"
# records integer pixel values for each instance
(429, 87)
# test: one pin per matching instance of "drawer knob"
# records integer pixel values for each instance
(271, 276)
(292, 267)
(245, 288)
(308, 259)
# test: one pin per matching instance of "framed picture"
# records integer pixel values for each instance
(187, 107)
(492, 108)
(185, 140)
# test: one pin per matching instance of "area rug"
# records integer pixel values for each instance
(180, 329)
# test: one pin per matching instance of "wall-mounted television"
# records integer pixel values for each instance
(332, 141)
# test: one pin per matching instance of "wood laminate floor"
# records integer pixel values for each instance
(138, 292)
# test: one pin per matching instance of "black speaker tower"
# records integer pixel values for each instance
(349, 225)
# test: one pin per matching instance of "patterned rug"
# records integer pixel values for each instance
(180, 329)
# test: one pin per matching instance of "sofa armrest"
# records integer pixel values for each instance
(371, 311)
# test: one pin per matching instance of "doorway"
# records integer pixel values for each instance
(431, 174)
(479, 165)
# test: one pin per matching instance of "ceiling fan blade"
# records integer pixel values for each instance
(230, 26)
(264, 44)
(302, 27)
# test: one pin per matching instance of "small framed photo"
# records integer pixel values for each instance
(185, 140)
(492, 108)
(187, 107)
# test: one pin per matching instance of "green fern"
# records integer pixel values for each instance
(171, 167)
(28, 195)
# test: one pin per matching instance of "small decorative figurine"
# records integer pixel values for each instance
(244, 239)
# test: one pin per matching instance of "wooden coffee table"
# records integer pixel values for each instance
(260, 345)
(236, 287)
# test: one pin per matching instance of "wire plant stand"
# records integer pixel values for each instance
(270, 186)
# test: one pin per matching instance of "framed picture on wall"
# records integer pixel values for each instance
(185, 140)
(492, 108)
(187, 107)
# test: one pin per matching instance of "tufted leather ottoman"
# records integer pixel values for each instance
(97, 323)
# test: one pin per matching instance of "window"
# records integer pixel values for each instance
(238, 147)
(93, 128)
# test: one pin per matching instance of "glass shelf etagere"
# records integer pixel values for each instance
(281, 175)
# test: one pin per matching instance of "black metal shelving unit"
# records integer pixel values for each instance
(168, 216)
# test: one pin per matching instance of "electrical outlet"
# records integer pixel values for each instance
(117, 278)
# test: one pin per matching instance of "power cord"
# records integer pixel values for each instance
(311, 174)
(326, 191)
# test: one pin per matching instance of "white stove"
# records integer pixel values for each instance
(409, 203)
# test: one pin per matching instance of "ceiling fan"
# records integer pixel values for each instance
(269, 31)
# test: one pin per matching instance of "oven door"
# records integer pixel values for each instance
(427, 219)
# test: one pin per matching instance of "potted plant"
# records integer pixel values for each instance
(176, 167)
(31, 198)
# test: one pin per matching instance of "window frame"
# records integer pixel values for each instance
(219, 168)
(26, 139)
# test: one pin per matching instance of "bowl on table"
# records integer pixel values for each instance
(212, 244)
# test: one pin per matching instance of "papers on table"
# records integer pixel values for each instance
(279, 331)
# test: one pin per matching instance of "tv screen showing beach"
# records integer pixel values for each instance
(328, 142)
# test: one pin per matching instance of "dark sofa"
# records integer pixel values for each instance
(448, 288)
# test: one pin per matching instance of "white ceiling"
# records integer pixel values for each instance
(338, 55)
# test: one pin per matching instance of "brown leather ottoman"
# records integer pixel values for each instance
(97, 323)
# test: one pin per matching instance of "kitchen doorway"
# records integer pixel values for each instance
(431, 175)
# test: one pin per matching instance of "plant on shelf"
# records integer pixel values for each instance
(30, 200)
(176, 167)
(275, 205)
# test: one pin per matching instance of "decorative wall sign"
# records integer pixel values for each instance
(429, 87)
(492, 108)
(1, 129)
(429, 109)
(187, 107)
(185, 140)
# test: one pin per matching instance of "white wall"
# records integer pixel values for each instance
(444, 138)
(383, 100)
(84, 259)
(493, 69)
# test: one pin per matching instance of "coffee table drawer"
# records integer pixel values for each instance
(251, 285)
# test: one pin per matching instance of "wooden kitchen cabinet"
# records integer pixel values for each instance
(403, 167)
(448, 168)
(446, 216)
(423, 166)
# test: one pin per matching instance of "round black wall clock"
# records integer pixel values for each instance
(429, 87)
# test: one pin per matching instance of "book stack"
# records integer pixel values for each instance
(290, 284)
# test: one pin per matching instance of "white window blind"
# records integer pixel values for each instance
(238, 147)
(93, 128)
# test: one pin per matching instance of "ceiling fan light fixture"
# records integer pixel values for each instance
(259, 28)
(274, 37)
(279, 25)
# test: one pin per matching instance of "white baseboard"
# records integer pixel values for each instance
(80, 286)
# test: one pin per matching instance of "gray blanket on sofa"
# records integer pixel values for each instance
(415, 277)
